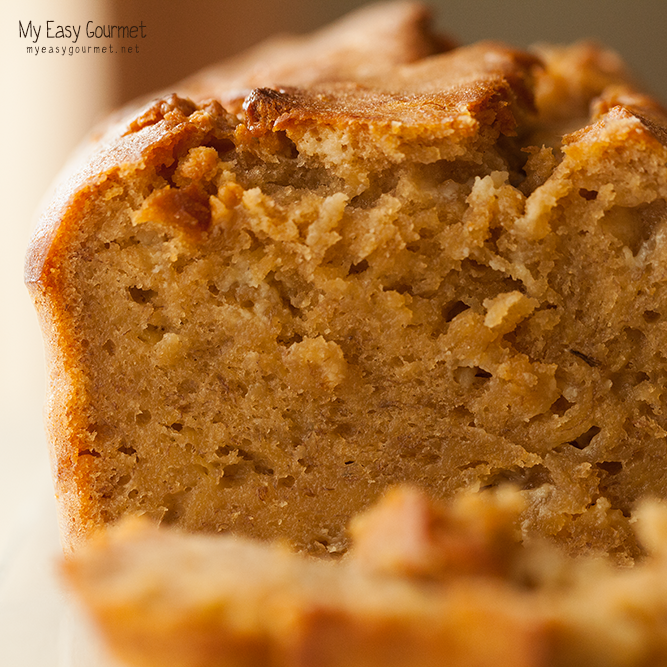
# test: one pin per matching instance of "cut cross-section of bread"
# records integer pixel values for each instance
(259, 317)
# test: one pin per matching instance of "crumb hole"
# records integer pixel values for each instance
(222, 145)
(180, 264)
(286, 340)
(90, 452)
(141, 296)
(560, 406)
(588, 195)
(172, 503)
(262, 468)
(345, 430)
(462, 413)
(151, 334)
(232, 475)
(450, 311)
(611, 467)
(635, 336)
(525, 478)
(585, 438)
(307, 465)
(359, 267)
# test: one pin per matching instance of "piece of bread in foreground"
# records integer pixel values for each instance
(258, 321)
(221, 600)
(457, 589)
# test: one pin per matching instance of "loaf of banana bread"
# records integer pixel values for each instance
(274, 293)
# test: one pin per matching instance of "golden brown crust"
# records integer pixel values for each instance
(482, 85)
(151, 141)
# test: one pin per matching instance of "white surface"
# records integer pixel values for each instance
(47, 107)
(30, 603)
(39, 624)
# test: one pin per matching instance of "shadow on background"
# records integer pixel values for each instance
(183, 37)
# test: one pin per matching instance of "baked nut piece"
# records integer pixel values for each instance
(259, 317)
(457, 589)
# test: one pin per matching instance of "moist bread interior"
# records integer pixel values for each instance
(270, 316)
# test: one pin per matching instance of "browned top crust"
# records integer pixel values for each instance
(488, 82)
(369, 41)
(365, 43)
(381, 69)
(375, 67)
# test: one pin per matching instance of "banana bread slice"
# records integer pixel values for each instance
(224, 600)
(424, 584)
